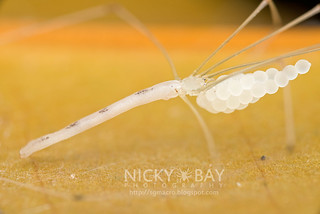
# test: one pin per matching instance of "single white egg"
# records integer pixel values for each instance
(247, 81)
(235, 87)
(203, 102)
(219, 105)
(290, 71)
(222, 91)
(281, 79)
(271, 86)
(228, 111)
(211, 94)
(260, 76)
(245, 97)
(233, 102)
(254, 99)
(302, 66)
(258, 90)
(271, 73)
(242, 106)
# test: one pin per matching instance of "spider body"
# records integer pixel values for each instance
(223, 94)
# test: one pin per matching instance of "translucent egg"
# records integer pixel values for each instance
(219, 105)
(204, 103)
(302, 66)
(247, 81)
(281, 79)
(211, 94)
(211, 110)
(235, 87)
(228, 111)
(271, 86)
(254, 99)
(202, 100)
(242, 106)
(260, 76)
(237, 77)
(271, 73)
(291, 72)
(245, 97)
(258, 90)
(233, 102)
(222, 91)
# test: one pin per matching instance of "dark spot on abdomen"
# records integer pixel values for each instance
(72, 125)
(44, 138)
(103, 110)
(143, 91)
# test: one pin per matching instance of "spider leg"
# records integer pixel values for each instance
(289, 25)
(289, 119)
(262, 5)
(213, 154)
(83, 16)
(128, 17)
(287, 97)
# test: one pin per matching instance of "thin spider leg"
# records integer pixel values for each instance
(206, 131)
(53, 24)
(287, 98)
(289, 118)
(301, 51)
(82, 16)
(275, 15)
(230, 68)
(276, 21)
(296, 21)
(137, 24)
(262, 5)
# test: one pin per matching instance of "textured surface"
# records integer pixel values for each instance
(49, 81)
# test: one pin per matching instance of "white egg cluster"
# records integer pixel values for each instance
(237, 92)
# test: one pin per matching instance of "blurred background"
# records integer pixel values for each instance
(51, 79)
(190, 12)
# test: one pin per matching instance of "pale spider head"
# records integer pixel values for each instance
(192, 85)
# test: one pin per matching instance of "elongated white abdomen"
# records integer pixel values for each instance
(237, 92)
(161, 91)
